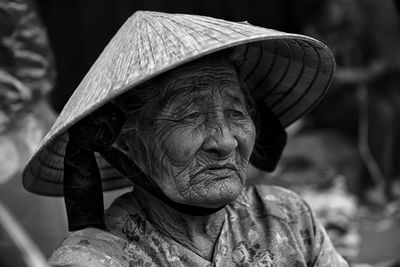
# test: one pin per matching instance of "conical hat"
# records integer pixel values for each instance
(290, 72)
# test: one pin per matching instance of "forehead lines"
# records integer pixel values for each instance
(202, 83)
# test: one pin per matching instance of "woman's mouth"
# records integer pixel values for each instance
(225, 168)
(221, 166)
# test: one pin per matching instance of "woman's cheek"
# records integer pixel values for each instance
(252, 134)
(181, 146)
(246, 136)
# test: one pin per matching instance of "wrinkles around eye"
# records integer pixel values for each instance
(194, 117)
(235, 114)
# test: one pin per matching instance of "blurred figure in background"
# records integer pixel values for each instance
(26, 77)
(361, 114)
(364, 95)
(343, 157)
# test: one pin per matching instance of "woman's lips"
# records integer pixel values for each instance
(227, 167)
(214, 172)
(221, 166)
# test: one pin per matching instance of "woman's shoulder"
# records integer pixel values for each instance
(278, 202)
(268, 193)
(273, 190)
(89, 247)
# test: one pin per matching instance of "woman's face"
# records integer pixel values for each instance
(201, 140)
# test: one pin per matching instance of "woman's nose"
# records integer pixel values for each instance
(219, 139)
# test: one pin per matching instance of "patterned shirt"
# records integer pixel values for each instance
(264, 226)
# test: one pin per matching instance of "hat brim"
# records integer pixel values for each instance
(290, 72)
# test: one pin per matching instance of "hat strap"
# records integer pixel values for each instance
(82, 180)
(83, 194)
(127, 167)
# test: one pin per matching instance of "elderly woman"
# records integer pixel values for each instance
(180, 105)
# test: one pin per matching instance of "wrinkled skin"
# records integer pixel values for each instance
(200, 141)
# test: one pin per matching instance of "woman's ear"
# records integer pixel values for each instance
(270, 140)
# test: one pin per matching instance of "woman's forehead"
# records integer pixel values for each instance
(200, 80)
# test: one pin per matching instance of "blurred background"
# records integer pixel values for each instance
(343, 157)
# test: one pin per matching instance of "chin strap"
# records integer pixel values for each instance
(83, 194)
(127, 167)
(82, 181)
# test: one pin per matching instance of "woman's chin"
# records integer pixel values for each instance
(219, 193)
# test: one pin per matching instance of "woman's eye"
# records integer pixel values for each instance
(233, 113)
(193, 116)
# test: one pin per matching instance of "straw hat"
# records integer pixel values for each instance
(290, 72)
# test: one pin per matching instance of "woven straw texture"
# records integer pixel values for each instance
(290, 72)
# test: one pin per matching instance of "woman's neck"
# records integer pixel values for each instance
(197, 233)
